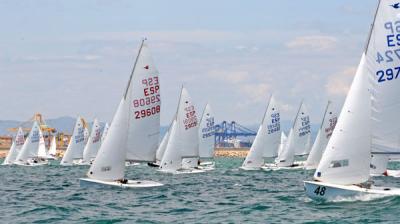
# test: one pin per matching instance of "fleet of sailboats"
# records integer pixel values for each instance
(348, 149)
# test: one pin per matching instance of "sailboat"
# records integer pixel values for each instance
(76, 144)
(15, 148)
(33, 152)
(267, 141)
(52, 152)
(324, 134)
(368, 121)
(206, 139)
(298, 143)
(92, 145)
(140, 108)
(183, 139)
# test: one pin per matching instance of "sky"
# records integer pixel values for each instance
(72, 57)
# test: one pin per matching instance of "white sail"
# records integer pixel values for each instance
(183, 139)
(109, 164)
(30, 148)
(16, 146)
(267, 141)
(93, 144)
(298, 142)
(163, 145)
(86, 133)
(382, 61)
(42, 152)
(53, 147)
(207, 134)
(76, 143)
(172, 160)
(105, 131)
(282, 143)
(145, 106)
(379, 164)
(347, 156)
(324, 134)
(368, 120)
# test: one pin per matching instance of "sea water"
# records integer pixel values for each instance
(51, 194)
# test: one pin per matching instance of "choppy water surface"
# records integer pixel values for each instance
(52, 194)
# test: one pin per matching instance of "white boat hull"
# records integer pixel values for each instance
(207, 166)
(183, 171)
(127, 163)
(250, 168)
(274, 167)
(137, 184)
(331, 192)
(388, 173)
(31, 163)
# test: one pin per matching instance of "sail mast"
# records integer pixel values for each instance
(133, 69)
(326, 110)
(372, 27)
(266, 109)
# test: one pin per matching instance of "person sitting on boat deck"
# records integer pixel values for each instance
(123, 181)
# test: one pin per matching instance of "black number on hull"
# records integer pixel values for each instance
(320, 191)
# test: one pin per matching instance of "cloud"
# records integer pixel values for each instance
(65, 58)
(314, 43)
(257, 93)
(233, 77)
(339, 83)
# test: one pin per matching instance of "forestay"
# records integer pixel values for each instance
(207, 134)
(324, 134)
(267, 140)
(144, 109)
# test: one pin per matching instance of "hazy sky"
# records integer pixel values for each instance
(74, 57)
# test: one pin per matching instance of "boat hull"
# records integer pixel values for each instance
(30, 163)
(274, 167)
(183, 171)
(207, 166)
(136, 184)
(250, 168)
(331, 192)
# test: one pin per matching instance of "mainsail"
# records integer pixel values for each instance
(144, 109)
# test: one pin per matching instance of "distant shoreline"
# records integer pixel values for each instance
(219, 152)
